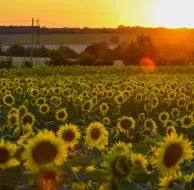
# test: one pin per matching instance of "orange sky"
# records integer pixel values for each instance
(98, 13)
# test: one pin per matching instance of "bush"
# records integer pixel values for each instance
(8, 64)
(87, 59)
(27, 64)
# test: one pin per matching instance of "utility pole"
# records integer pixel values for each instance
(32, 46)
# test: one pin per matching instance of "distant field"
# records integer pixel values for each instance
(64, 38)
(73, 39)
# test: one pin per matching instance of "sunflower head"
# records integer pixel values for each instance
(170, 130)
(175, 112)
(13, 119)
(22, 110)
(187, 121)
(7, 151)
(45, 148)
(28, 118)
(44, 109)
(172, 152)
(125, 124)
(106, 120)
(61, 115)
(69, 134)
(96, 135)
(8, 100)
(87, 106)
(163, 116)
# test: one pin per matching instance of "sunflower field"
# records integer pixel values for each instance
(107, 128)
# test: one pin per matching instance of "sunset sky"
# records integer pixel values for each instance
(98, 13)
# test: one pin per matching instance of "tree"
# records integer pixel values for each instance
(115, 40)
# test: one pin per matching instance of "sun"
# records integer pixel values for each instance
(173, 13)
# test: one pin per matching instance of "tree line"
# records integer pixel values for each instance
(99, 53)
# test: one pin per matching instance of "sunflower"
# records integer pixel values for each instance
(19, 90)
(125, 124)
(172, 152)
(139, 160)
(169, 122)
(163, 116)
(175, 112)
(44, 92)
(138, 97)
(27, 129)
(96, 135)
(77, 101)
(168, 182)
(8, 100)
(44, 109)
(61, 114)
(13, 110)
(141, 116)
(94, 101)
(56, 101)
(187, 121)
(34, 92)
(103, 108)
(45, 148)
(181, 102)
(110, 94)
(120, 99)
(122, 165)
(13, 119)
(24, 139)
(120, 147)
(40, 101)
(170, 130)
(150, 124)
(28, 118)
(22, 110)
(190, 106)
(106, 120)
(70, 134)
(154, 102)
(87, 106)
(7, 151)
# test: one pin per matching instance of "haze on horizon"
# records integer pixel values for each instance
(101, 13)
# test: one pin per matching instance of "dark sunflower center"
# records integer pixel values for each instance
(163, 117)
(154, 102)
(41, 101)
(87, 106)
(104, 107)
(171, 95)
(175, 112)
(169, 123)
(138, 97)
(124, 165)
(187, 121)
(4, 155)
(68, 135)
(126, 123)
(190, 107)
(13, 120)
(34, 92)
(61, 114)
(172, 155)
(44, 152)
(27, 119)
(170, 131)
(120, 99)
(181, 102)
(44, 108)
(22, 111)
(95, 133)
(9, 99)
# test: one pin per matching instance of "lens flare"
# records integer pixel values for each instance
(147, 65)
